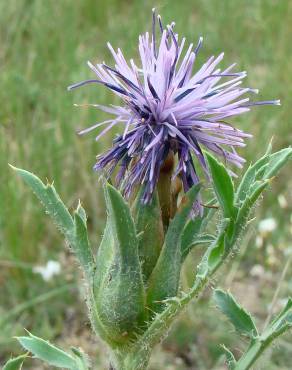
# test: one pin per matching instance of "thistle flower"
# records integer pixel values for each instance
(169, 109)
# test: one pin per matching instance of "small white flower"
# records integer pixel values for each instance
(282, 201)
(49, 270)
(267, 225)
(257, 271)
(259, 241)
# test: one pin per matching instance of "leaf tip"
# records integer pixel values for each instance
(13, 167)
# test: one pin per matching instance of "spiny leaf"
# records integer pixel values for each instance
(81, 212)
(149, 226)
(81, 242)
(263, 169)
(223, 186)
(164, 280)
(194, 230)
(215, 252)
(51, 201)
(119, 292)
(105, 255)
(122, 224)
(281, 323)
(241, 319)
(15, 363)
(74, 230)
(230, 360)
(47, 352)
(250, 177)
(197, 240)
(81, 358)
(276, 161)
(244, 211)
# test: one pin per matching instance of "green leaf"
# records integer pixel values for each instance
(244, 210)
(51, 201)
(123, 227)
(215, 252)
(149, 226)
(81, 358)
(15, 363)
(197, 240)
(241, 319)
(195, 229)
(45, 351)
(277, 161)
(263, 169)
(281, 323)
(81, 242)
(223, 186)
(118, 286)
(255, 181)
(230, 360)
(105, 255)
(74, 230)
(251, 175)
(164, 280)
(81, 212)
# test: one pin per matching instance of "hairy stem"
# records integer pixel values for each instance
(255, 349)
(132, 360)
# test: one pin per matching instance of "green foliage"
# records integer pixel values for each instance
(252, 174)
(51, 201)
(255, 181)
(230, 360)
(241, 319)
(281, 323)
(82, 247)
(223, 186)
(149, 228)
(15, 363)
(262, 170)
(213, 256)
(81, 358)
(119, 294)
(164, 280)
(276, 161)
(244, 324)
(75, 231)
(116, 289)
(48, 353)
(194, 232)
(197, 240)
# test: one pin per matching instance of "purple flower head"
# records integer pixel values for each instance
(168, 108)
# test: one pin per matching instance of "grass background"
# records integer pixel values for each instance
(44, 48)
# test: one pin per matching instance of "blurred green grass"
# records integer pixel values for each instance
(44, 48)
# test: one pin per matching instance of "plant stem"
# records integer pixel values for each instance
(250, 356)
(134, 360)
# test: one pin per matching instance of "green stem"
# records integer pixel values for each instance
(130, 360)
(253, 352)
(162, 322)
(258, 346)
(141, 349)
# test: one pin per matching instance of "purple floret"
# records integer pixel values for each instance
(168, 108)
